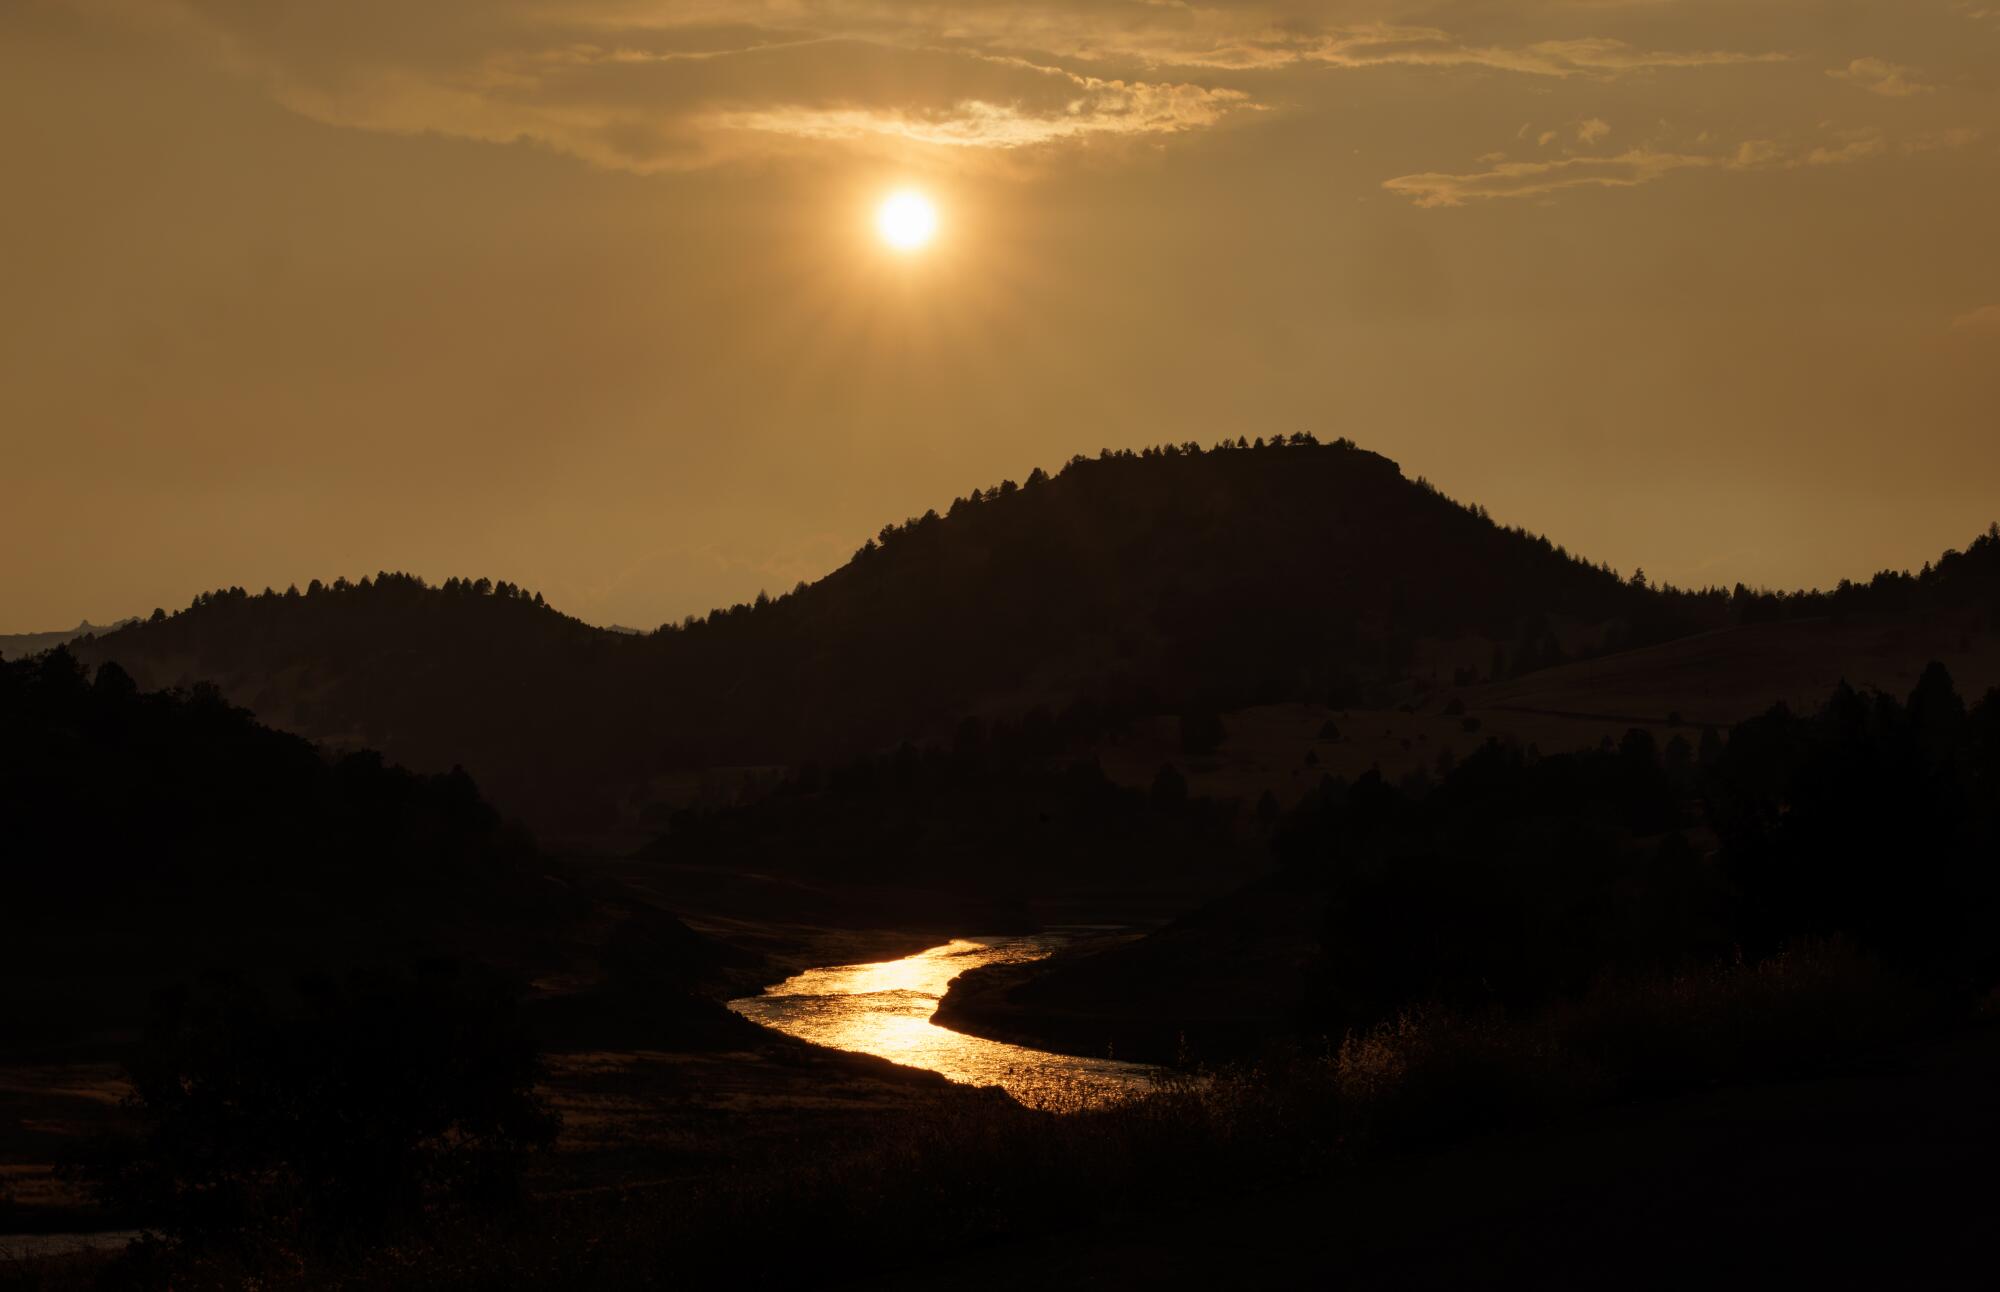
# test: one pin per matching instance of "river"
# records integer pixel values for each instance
(885, 1009)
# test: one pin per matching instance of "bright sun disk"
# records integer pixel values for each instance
(906, 220)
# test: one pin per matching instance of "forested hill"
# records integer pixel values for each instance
(472, 673)
(152, 836)
(1171, 578)
(1160, 581)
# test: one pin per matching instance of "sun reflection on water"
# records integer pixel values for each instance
(885, 1009)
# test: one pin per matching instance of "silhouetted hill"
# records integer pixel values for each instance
(1175, 581)
(471, 673)
(1164, 580)
(1171, 580)
(150, 837)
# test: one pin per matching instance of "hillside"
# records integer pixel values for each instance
(1130, 584)
(1512, 880)
(1173, 582)
(152, 838)
(1715, 678)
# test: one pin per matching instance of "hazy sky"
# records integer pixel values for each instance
(587, 296)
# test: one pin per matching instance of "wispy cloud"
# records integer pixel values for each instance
(1643, 165)
(1165, 34)
(1931, 141)
(1539, 178)
(1985, 318)
(1852, 146)
(1978, 11)
(1590, 57)
(1099, 107)
(644, 86)
(1891, 80)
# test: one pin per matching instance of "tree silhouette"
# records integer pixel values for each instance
(356, 1108)
(1201, 732)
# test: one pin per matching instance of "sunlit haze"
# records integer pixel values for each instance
(593, 298)
(906, 220)
(1083, 644)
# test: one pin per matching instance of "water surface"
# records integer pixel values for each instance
(885, 1009)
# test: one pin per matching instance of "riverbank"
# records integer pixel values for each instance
(988, 1002)
(788, 1164)
(659, 1086)
(887, 1009)
(1215, 985)
(661, 1089)
(655, 1079)
(1867, 1174)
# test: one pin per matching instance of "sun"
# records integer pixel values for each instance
(906, 220)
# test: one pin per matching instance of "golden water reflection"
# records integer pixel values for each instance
(885, 1009)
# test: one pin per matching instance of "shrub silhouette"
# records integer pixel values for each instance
(346, 1112)
(1517, 880)
(1874, 819)
(1202, 732)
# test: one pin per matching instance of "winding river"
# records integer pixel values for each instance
(885, 1009)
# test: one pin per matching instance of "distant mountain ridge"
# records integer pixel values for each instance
(1166, 581)
(21, 645)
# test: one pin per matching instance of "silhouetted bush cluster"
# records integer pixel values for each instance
(1520, 879)
(1001, 812)
(1511, 881)
(1514, 879)
(279, 1131)
(1874, 819)
(959, 1174)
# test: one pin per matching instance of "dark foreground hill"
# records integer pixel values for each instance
(1516, 881)
(249, 987)
(155, 838)
(1162, 582)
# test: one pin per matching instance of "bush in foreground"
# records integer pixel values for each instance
(281, 1132)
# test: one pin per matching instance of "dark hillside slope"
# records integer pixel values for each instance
(1153, 582)
(155, 837)
(1170, 578)
(1517, 881)
(469, 674)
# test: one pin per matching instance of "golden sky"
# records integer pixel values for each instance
(586, 295)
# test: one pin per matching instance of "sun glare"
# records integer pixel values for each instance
(906, 220)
